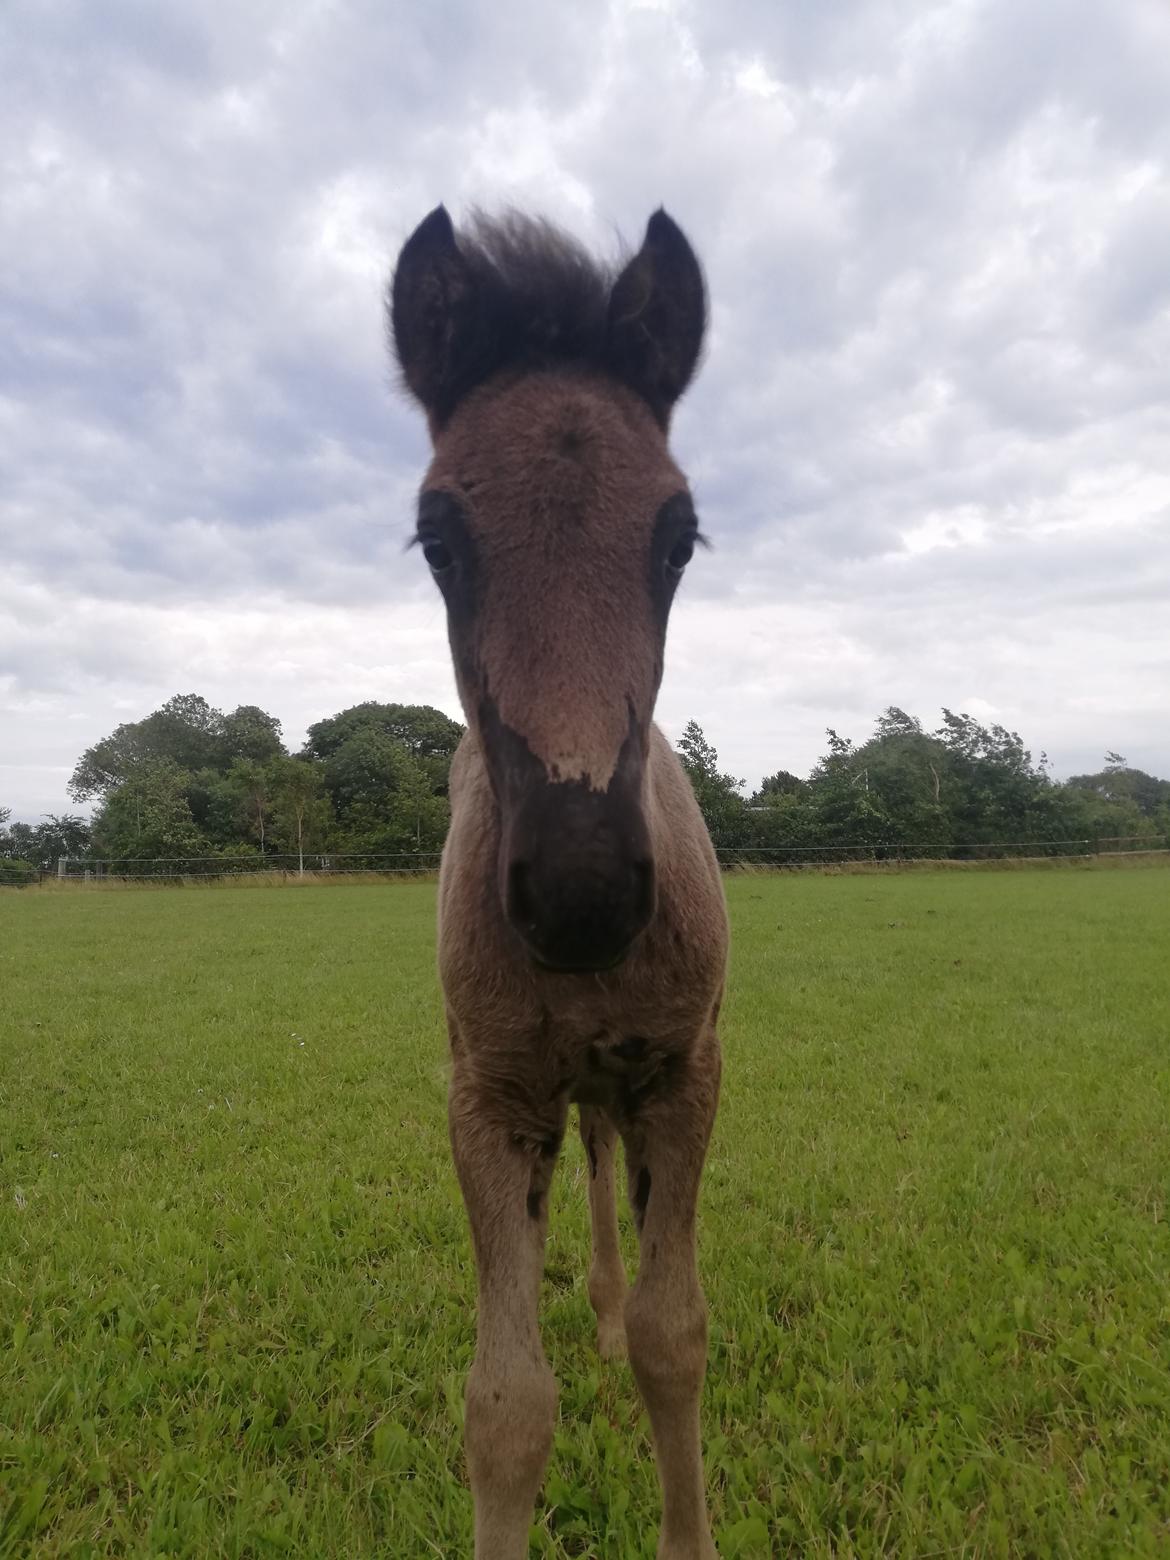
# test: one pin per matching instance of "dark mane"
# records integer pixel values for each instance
(549, 296)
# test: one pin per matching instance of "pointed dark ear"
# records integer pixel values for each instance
(657, 311)
(440, 317)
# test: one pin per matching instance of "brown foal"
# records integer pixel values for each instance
(582, 931)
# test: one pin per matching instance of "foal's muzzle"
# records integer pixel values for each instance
(578, 876)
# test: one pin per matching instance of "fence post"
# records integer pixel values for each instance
(62, 866)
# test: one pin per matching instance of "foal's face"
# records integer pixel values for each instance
(557, 527)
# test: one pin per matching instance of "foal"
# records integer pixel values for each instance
(582, 932)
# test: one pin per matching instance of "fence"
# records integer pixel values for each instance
(189, 868)
(791, 856)
(731, 858)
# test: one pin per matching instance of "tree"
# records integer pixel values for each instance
(21, 840)
(148, 816)
(16, 864)
(185, 731)
(995, 785)
(425, 732)
(300, 808)
(64, 834)
(383, 795)
(216, 809)
(844, 811)
(44, 843)
(772, 787)
(1117, 782)
(249, 732)
(61, 835)
(717, 794)
(905, 772)
(252, 783)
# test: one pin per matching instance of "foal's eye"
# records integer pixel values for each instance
(438, 557)
(681, 554)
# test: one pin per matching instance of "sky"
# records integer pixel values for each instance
(930, 440)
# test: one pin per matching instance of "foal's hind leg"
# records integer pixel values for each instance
(607, 1274)
(504, 1170)
(666, 1315)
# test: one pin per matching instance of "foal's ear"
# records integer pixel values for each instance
(443, 336)
(657, 311)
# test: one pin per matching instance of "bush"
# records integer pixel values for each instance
(15, 873)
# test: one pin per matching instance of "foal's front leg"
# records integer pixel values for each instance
(504, 1171)
(666, 1315)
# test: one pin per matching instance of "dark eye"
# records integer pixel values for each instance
(438, 557)
(681, 554)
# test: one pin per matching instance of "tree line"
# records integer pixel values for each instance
(957, 790)
(193, 781)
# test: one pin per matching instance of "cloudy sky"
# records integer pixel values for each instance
(931, 440)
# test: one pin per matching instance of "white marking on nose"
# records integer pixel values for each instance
(595, 772)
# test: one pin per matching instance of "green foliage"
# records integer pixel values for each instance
(249, 733)
(185, 731)
(1119, 784)
(216, 808)
(385, 768)
(773, 787)
(62, 834)
(372, 780)
(426, 733)
(718, 794)
(251, 782)
(236, 1288)
(964, 785)
(148, 815)
(15, 873)
(842, 807)
(45, 842)
(301, 813)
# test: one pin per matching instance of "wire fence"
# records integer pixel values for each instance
(894, 852)
(413, 863)
(188, 869)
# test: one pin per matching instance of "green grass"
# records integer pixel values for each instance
(236, 1301)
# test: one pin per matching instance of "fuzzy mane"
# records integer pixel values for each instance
(549, 295)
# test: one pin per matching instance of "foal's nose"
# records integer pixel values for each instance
(579, 910)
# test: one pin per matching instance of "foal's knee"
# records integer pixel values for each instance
(511, 1414)
(666, 1334)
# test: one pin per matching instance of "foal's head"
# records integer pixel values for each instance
(557, 527)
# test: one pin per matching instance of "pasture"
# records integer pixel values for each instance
(236, 1295)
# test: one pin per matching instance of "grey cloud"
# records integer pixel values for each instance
(938, 245)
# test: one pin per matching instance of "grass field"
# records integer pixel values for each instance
(236, 1301)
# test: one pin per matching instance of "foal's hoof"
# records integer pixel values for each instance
(611, 1340)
